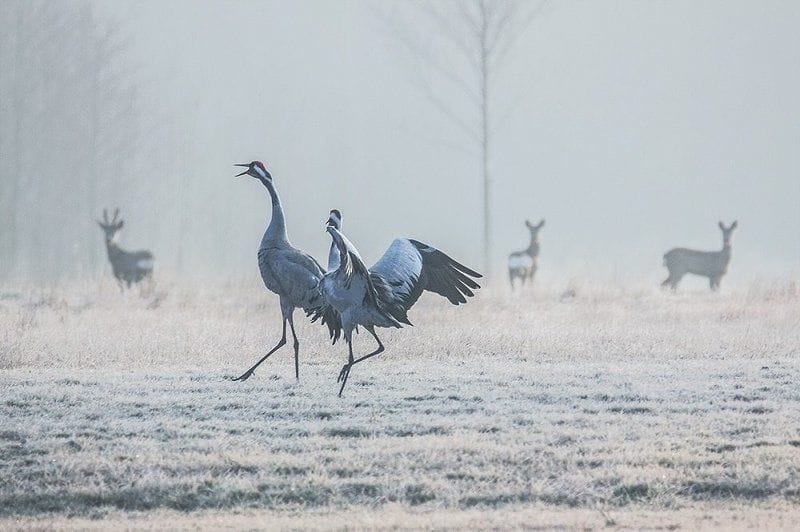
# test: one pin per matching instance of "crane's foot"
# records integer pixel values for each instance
(244, 376)
(343, 373)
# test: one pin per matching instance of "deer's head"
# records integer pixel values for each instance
(534, 229)
(727, 232)
(111, 227)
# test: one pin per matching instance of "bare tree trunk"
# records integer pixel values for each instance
(16, 150)
(484, 81)
(94, 159)
(481, 32)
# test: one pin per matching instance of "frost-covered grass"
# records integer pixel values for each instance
(623, 406)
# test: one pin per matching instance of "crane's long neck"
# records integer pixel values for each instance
(276, 230)
(333, 256)
(340, 243)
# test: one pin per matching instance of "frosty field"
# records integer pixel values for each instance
(618, 406)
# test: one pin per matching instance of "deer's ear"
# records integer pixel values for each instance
(98, 222)
(541, 223)
(120, 224)
(734, 225)
(721, 225)
(528, 223)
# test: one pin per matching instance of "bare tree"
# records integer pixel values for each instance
(464, 44)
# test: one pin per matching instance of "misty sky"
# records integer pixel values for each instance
(635, 127)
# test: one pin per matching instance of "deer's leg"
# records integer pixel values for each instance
(296, 347)
(149, 282)
(246, 375)
(532, 273)
(713, 283)
(673, 280)
(345, 373)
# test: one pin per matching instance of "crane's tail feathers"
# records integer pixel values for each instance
(328, 316)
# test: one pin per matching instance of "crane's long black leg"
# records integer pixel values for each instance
(345, 373)
(296, 349)
(348, 338)
(346, 369)
(246, 375)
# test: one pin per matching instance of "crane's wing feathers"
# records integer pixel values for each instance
(331, 318)
(396, 281)
(299, 275)
(352, 265)
(304, 261)
(410, 267)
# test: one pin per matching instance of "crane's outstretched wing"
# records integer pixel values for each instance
(410, 267)
(352, 267)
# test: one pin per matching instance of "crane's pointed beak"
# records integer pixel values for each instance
(243, 173)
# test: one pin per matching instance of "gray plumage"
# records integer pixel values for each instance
(381, 296)
(711, 264)
(335, 220)
(523, 264)
(128, 267)
(288, 272)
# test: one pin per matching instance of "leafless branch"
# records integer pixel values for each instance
(438, 101)
(454, 33)
(515, 27)
(453, 145)
(422, 53)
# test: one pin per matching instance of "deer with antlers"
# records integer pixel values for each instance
(129, 267)
(523, 264)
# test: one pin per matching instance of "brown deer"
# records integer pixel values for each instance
(711, 264)
(522, 265)
(129, 267)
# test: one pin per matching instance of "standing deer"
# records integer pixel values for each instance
(711, 264)
(523, 264)
(128, 266)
